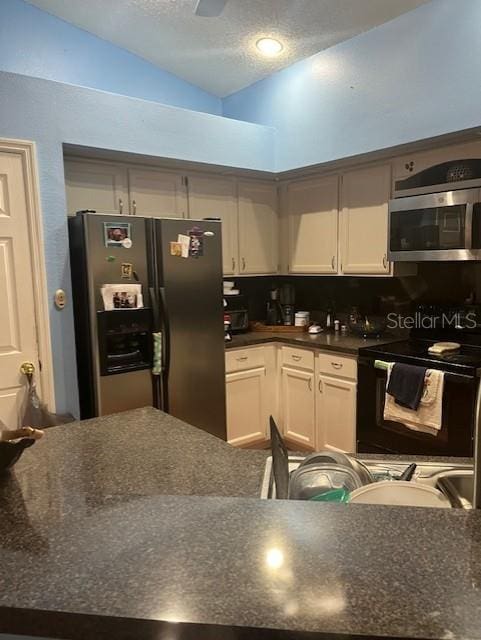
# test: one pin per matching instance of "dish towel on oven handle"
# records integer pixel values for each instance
(406, 384)
(428, 417)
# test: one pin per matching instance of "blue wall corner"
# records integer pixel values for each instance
(413, 77)
(35, 43)
(52, 113)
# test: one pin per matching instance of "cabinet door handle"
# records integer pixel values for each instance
(243, 264)
(134, 208)
(320, 385)
(121, 206)
(336, 365)
(242, 358)
(233, 264)
(296, 358)
(384, 261)
(333, 262)
(310, 384)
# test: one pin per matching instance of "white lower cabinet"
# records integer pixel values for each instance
(297, 406)
(310, 394)
(246, 410)
(251, 393)
(336, 414)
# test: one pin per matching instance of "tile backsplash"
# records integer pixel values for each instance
(436, 282)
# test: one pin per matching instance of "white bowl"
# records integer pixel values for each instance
(400, 493)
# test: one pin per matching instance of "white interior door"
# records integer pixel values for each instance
(18, 335)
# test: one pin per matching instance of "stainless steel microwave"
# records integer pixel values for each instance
(435, 226)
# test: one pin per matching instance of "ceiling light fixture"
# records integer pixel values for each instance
(269, 46)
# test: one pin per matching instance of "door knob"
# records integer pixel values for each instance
(27, 368)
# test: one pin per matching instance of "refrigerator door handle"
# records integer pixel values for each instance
(165, 330)
(155, 309)
(157, 384)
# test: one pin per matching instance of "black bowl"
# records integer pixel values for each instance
(373, 327)
(10, 452)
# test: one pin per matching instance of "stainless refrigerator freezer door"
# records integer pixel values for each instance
(125, 391)
(104, 260)
(106, 257)
(192, 291)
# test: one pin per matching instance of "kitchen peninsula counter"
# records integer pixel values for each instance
(127, 527)
(325, 341)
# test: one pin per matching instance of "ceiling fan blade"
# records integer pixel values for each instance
(210, 8)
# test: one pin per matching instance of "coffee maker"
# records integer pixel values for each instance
(287, 295)
(274, 315)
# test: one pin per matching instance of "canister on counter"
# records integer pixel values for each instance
(301, 319)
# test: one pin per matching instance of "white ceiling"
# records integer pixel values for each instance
(219, 54)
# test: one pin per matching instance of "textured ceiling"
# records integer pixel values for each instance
(219, 54)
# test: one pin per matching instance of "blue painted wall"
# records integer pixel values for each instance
(35, 43)
(51, 113)
(414, 77)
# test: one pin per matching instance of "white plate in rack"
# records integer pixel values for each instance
(400, 493)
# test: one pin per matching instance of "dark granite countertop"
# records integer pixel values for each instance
(343, 343)
(90, 547)
(132, 454)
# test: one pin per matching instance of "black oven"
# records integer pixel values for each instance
(376, 435)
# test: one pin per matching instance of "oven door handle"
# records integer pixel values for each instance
(477, 451)
(457, 377)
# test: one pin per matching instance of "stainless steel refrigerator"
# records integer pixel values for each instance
(177, 266)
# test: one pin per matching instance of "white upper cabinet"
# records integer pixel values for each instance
(98, 186)
(312, 214)
(159, 194)
(258, 227)
(217, 198)
(364, 225)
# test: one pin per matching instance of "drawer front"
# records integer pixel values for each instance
(302, 358)
(240, 359)
(337, 365)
